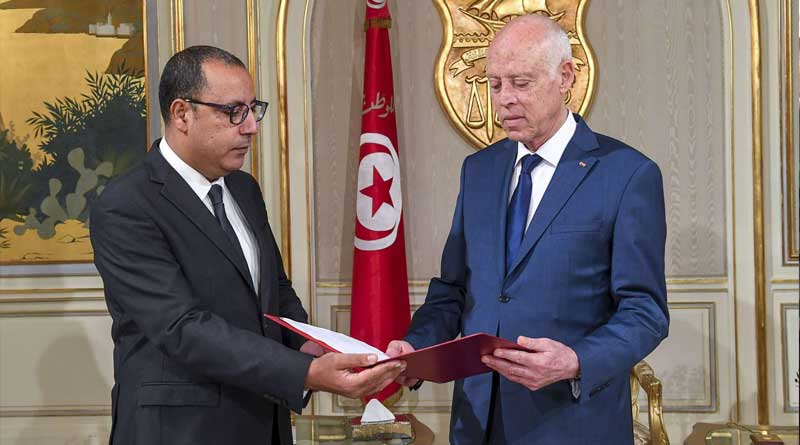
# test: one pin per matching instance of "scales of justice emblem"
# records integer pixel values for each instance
(460, 74)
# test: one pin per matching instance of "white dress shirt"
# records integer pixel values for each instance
(541, 175)
(201, 186)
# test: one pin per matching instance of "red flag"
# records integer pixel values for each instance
(380, 310)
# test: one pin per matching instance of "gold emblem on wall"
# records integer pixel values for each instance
(460, 76)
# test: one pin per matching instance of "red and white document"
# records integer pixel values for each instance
(445, 362)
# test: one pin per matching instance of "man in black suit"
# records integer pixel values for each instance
(189, 265)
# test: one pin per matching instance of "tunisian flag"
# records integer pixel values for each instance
(380, 310)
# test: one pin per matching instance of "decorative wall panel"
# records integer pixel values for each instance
(209, 23)
(686, 362)
(63, 366)
(660, 89)
(790, 137)
(790, 332)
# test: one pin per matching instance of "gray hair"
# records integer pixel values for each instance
(558, 47)
(553, 43)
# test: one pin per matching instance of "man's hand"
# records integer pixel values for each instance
(312, 349)
(400, 347)
(333, 373)
(546, 361)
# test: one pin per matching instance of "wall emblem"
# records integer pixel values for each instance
(460, 77)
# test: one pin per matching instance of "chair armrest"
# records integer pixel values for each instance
(652, 387)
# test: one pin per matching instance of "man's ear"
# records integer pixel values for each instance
(179, 111)
(566, 73)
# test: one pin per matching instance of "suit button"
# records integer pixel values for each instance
(504, 298)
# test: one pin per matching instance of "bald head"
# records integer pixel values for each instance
(535, 37)
(530, 71)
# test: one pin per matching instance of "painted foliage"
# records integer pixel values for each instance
(72, 116)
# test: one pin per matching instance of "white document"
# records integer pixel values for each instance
(338, 341)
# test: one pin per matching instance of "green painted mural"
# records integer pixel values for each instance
(72, 116)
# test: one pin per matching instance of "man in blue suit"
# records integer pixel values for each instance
(557, 242)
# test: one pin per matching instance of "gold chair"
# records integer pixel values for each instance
(642, 376)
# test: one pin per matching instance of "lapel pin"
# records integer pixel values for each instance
(582, 164)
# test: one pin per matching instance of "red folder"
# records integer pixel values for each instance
(451, 360)
(454, 359)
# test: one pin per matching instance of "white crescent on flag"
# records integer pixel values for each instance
(387, 216)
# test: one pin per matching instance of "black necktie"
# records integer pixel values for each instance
(517, 217)
(219, 210)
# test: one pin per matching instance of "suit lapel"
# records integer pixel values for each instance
(503, 168)
(255, 220)
(178, 193)
(574, 165)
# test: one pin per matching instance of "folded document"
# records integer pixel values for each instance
(452, 360)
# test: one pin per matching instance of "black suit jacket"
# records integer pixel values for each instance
(195, 361)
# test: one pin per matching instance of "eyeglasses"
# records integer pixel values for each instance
(237, 113)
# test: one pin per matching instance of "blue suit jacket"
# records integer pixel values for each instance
(590, 274)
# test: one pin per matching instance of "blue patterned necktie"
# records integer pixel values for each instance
(517, 217)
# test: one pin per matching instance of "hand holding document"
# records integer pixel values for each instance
(351, 375)
(401, 347)
(452, 360)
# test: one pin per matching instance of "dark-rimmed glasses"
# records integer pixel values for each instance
(237, 113)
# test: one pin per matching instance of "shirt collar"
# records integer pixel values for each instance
(554, 147)
(198, 183)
